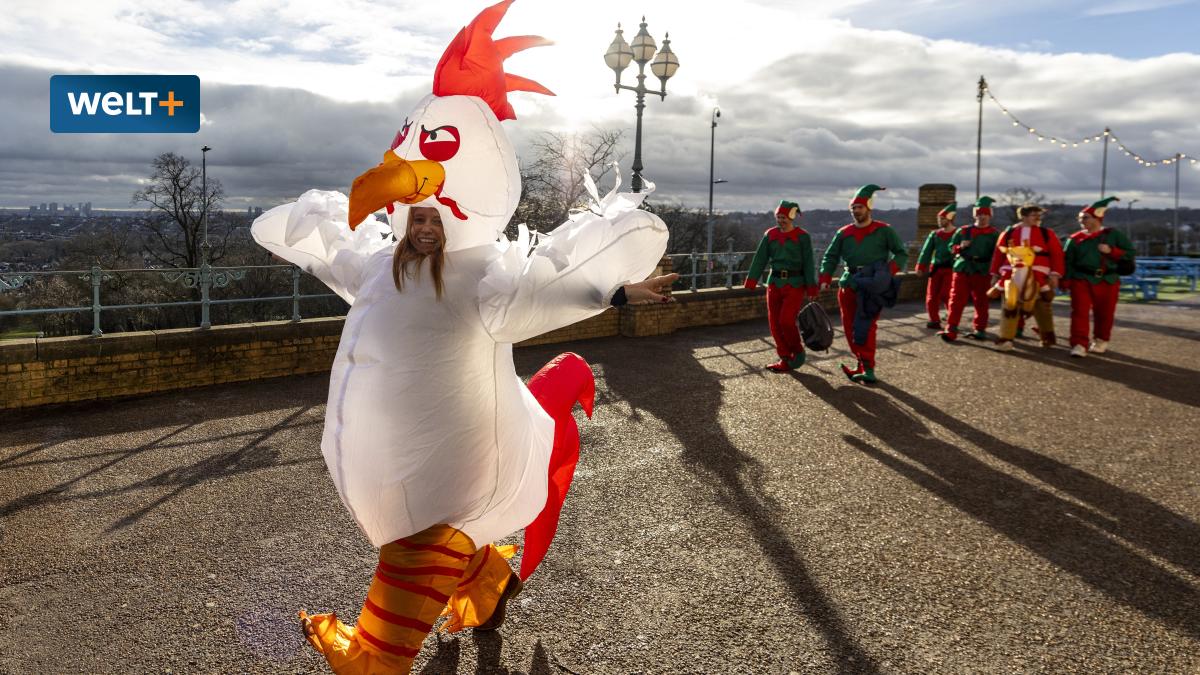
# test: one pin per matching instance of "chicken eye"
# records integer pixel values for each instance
(439, 144)
(401, 135)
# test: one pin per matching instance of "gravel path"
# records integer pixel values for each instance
(975, 512)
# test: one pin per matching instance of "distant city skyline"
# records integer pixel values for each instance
(815, 100)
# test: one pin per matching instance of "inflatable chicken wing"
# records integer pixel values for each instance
(427, 421)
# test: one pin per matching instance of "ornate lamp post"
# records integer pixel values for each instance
(663, 65)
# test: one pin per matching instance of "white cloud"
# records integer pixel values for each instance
(814, 110)
(1132, 6)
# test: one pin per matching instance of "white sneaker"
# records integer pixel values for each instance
(1079, 351)
(1004, 346)
(1099, 346)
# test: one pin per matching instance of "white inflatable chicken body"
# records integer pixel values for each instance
(427, 421)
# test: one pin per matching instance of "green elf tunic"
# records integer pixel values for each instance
(791, 257)
(936, 253)
(860, 246)
(1085, 262)
(974, 246)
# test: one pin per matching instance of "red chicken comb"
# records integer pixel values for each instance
(473, 64)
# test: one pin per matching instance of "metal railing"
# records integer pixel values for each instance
(722, 268)
(700, 270)
(204, 279)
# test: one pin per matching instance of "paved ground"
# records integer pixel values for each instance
(976, 512)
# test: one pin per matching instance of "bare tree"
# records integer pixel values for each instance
(552, 181)
(176, 212)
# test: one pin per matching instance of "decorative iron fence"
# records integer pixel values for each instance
(187, 298)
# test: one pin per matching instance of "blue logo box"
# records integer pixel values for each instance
(124, 104)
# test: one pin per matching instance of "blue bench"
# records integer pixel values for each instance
(1186, 270)
(1147, 287)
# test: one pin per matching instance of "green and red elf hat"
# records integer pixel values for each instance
(983, 206)
(866, 195)
(789, 209)
(949, 211)
(1097, 209)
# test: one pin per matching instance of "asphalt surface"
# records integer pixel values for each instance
(975, 512)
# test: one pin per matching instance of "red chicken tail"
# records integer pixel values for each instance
(561, 383)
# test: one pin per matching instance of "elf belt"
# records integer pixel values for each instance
(975, 258)
(942, 266)
(783, 274)
(1098, 271)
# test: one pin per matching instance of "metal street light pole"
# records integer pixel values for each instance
(205, 277)
(712, 150)
(1104, 165)
(979, 135)
(1129, 217)
(1178, 158)
(664, 64)
(204, 200)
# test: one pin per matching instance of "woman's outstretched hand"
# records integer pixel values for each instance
(651, 290)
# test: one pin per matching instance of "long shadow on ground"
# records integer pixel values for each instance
(252, 455)
(1126, 514)
(689, 402)
(1059, 531)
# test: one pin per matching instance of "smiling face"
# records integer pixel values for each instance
(479, 185)
(425, 230)
(1088, 222)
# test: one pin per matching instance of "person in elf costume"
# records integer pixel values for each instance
(936, 262)
(869, 248)
(434, 444)
(788, 250)
(972, 247)
(1026, 253)
(1092, 256)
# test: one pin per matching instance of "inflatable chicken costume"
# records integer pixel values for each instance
(435, 445)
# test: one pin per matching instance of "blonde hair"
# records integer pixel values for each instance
(406, 253)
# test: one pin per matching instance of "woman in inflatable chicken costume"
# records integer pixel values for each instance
(435, 445)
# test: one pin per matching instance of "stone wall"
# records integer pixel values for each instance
(68, 369)
(931, 198)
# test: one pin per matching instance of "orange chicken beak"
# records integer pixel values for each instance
(394, 180)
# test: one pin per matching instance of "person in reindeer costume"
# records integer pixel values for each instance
(935, 262)
(1094, 258)
(1022, 262)
(788, 250)
(434, 444)
(1026, 268)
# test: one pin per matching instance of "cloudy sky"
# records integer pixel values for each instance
(815, 100)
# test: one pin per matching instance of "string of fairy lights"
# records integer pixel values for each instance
(1105, 136)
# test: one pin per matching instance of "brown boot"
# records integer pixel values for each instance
(511, 589)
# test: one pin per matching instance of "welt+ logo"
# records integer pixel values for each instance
(124, 104)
